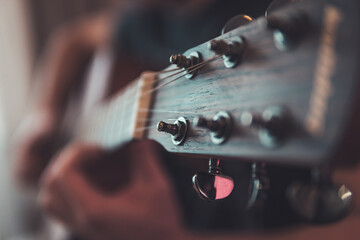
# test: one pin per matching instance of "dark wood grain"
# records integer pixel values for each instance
(265, 77)
(268, 77)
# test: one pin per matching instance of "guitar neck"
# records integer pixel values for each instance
(314, 82)
(121, 118)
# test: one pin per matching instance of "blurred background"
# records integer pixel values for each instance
(25, 26)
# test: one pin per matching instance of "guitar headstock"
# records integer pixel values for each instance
(279, 89)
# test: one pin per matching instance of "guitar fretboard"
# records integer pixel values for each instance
(120, 119)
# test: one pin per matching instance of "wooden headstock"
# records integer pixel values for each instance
(312, 78)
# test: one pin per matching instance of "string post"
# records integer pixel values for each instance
(214, 126)
(273, 125)
(219, 126)
(187, 63)
(180, 61)
(177, 130)
(172, 129)
(230, 50)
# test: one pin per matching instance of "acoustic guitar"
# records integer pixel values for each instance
(282, 89)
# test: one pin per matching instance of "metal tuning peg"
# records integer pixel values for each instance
(213, 185)
(236, 22)
(189, 63)
(259, 184)
(274, 125)
(220, 126)
(230, 50)
(177, 130)
(319, 201)
(287, 29)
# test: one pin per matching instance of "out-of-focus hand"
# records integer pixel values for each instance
(124, 194)
(59, 72)
(35, 143)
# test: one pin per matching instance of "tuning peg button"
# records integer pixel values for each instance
(236, 22)
(320, 200)
(319, 203)
(213, 185)
(278, 4)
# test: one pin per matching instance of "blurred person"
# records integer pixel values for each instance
(74, 188)
(84, 190)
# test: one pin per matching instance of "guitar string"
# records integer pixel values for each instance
(164, 78)
(181, 76)
(145, 128)
(161, 110)
(132, 100)
(159, 119)
(135, 81)
(213, 110)
(163, 85)
(184, 70)
(170, 70)
(190, 121)
(193, 68)
(183, 112)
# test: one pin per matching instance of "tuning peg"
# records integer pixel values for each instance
(319, 203)
(236, 22)
(220, 126)
(230, 50)
(221, 47)
(189, 63)
(213, 185)
(287, 29)
(274, 124)
(177, 130)
(277, 4)
(172, 129)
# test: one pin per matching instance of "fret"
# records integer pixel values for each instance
(146, 83)
(117, 120)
